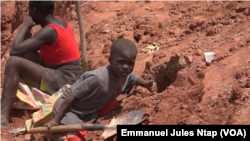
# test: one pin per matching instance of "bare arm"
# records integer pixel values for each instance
(65, 107)
(141, 82)
(80, 88)
(146, 84)
(21, 47)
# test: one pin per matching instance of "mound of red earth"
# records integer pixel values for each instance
(171, 38)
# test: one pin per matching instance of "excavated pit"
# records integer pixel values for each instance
(171, 38)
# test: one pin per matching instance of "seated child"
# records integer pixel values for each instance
(57, 64)
(82, 102)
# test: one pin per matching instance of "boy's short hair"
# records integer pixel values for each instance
(43, 6)
(122, 44)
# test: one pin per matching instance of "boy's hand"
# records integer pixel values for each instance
(28, 21)
(51, 123)
(150, 85)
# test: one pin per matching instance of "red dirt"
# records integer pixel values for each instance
(200, 93)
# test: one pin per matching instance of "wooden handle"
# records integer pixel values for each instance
(70, 128)
(82, 36)
(54, 129)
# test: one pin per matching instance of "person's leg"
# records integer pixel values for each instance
(16, 68)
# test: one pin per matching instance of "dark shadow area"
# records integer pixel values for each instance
(165, 74)
(3, 27)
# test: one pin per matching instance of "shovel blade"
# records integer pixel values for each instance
(14, 131)
(131, 118)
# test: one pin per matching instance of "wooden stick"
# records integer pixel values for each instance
(82, 37)
(67, 128)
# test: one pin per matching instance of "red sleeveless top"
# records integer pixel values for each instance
(64, 50)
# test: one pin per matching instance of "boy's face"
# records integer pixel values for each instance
(122, 63)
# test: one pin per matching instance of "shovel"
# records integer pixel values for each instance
(131, 118)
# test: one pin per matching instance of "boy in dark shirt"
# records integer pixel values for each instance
(82, 102)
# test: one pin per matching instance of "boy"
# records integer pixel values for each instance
(82, 102)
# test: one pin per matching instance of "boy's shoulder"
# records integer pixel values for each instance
(100, 72)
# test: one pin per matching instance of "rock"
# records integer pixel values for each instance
(192, 26)
(215, 62)
(237, 92)
(248, 85)
(159, 55)
(148, 65)
(241, 81)
(199, 23)
(138, 34)
(3, 21)
(147, 1)
(198, 52)
(171, 40)
(146, 18)
(211, 31)
(117, 36)
(72, 7)
(190, 58)
(233, 49)
(198, 69)
(208, 64)
(27, 137)
(247, 73)
(247, 11)
(239, 45)
(143, 39)
(178, 33)
(153, 33)
(19, 139)
(129, 35)
(187, 31)
(73, 15)
(238, 75)
(233, 15)
(196, 24)
(120, 13)
(219, 16)
(105, 31)
(151, 40)
(239, 9)
(204, 67)
(118, 30)
(201, 74)
(107, 47)
(191, 80)
(118, 10)
(213, 21)
(107, 10)
(160, 25)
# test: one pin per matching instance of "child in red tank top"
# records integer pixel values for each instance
(64, 50)
(58, 49)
